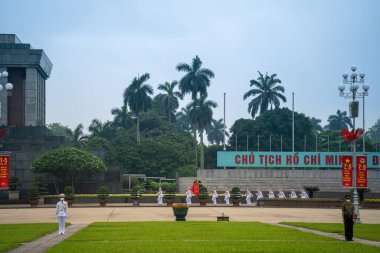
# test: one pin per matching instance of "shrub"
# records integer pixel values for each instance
(39, 183)
(135, 194)
(103, 192)
(69, 193)
(13, 183)
(33, 194)
(235, 193)
(203, 194)
(170, 192)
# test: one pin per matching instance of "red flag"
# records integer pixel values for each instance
(351, 135)
(2, 132)
(195, 188)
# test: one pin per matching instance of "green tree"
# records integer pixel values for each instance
(183, 119)
(339, 121)
(101, 144)
(316, 125)
(266, 93)
(97, 128)
(68, 165)
(170, 98)
(60, 130)
(137, 96)
(201, 115)
(374, 132)
(196, 80)
(78, 138)
(122, 118)
(215, 132)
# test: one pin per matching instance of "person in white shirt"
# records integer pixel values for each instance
(62, 212)
(160, 196)
(188, 196)
(271, 194)
(227, 196)
(214, 196)
(293, 194)
(248, 196)
(281, 194)
(304, 194)
(259, 194)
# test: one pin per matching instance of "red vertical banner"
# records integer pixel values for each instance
(347, 171)
(4, 171)
(361, 171)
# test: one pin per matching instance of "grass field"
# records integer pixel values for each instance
(14, 234)
(363, 231)
(157, 237)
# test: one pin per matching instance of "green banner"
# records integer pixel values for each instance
(290, 159)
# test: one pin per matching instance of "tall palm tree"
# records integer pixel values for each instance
(137, 96)
(266, 93)
(183, 119)
(196, 80)
(316, 124)
(170, 99)
(201, 116)
(97, 128)
(339, 121)
(215, 132)
(78, 137)
(122, 118)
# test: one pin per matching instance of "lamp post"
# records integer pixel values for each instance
(8, 86)
(354, 107)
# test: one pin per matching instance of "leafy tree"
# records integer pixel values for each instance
(60, 130)
(215, 132)
(78, 138)
(196, 80)
(137, 96)
(183, 119)
(266, 92)
(374, 132)
(339, 121)
(201, 115)
(170, 99)
(122, 118)
(316, 125)
(68, 165)
(98, 143)
(97, 128)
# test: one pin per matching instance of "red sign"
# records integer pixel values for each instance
(361, 171)
(347, 171)
(4, 171)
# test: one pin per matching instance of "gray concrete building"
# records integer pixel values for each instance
(28, 69)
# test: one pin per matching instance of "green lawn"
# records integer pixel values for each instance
(14, 234)
(187, 236)
(363, 231)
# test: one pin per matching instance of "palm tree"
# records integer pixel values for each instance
(183, 119)
(137, 96)
(201, 116)
(267, 94)
(170, 99)
(339, 121)
(78, 138)
(196, 80)
(97, 128)
(316, 124)
(122, 118)
(215, 132)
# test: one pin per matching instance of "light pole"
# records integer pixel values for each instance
(354, 107)
(8, 86)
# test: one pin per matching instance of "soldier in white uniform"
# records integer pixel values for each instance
(62, 212)
(304, 194)
(188, 196)
(227, 196)
(293, 194)
(160, 196)
(281, 194)
(214, 195)
(271, 194)
(248, 196)
(259, 194)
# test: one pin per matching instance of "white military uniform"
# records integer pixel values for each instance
(62, 212)
(293, 195)
(188, 197)
(227, 196)
(248, 196)
(214, 195)
(271, 194)
(281, 194)
(160, 197)
(304, 195)
(259, 194)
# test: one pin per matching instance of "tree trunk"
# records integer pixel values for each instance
(196, 146)
(138, 129)
(202, 160)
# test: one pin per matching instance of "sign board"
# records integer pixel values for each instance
(347, 171)
(290, 159)
(4, 171)
(361, 172)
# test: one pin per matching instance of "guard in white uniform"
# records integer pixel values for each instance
(271, 194)
(281, 194)
(62, 212)
(227, 196)
(304, 194)
(214, 196)
(160, 196)
(293, 194)
(259, 194)
(188, 196)
(248, 196)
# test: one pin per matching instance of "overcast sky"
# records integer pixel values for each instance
(98, 47)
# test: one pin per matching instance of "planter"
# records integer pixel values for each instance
(169, 202)
(13, 195)
(70, 202)
(236, 202)
(180, 213)
(102, 202)
(202, 202)
(34, 202)
(136, 202)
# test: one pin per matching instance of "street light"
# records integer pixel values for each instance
(353, 93)
(8, 86)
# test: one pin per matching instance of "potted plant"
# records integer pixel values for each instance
(13, 194)
(34, 197)
(103, 195)
(136, 195)
(148, 186)
(69, 195)
(203, 195)
(180, 211)
(169, 195)
(39, 183)
(236, 196)
(310, 190)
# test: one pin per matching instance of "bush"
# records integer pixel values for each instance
(103, 192)
(235, 193)
(33, 194)
(13, 183)
(135, 194)
(69, 193)
(203, 194)
(39, 183)
(170, 192)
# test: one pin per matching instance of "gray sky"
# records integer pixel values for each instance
(98, 47)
